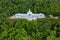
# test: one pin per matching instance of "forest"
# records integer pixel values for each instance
(23, 29)
(11, 7)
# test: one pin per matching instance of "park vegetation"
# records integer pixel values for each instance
(22, 29)
(11, 7)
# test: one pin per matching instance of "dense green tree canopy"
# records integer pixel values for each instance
(22, 29)
(10, 7)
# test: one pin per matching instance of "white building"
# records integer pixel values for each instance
(28, 16)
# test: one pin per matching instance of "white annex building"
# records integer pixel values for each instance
(29, 15)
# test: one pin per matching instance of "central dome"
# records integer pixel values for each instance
(29, 12)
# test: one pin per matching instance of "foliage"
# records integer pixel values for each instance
(11, 7)
(22, 29)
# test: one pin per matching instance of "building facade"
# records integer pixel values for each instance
(29, 15)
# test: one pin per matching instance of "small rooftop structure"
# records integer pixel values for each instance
(29, 15)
